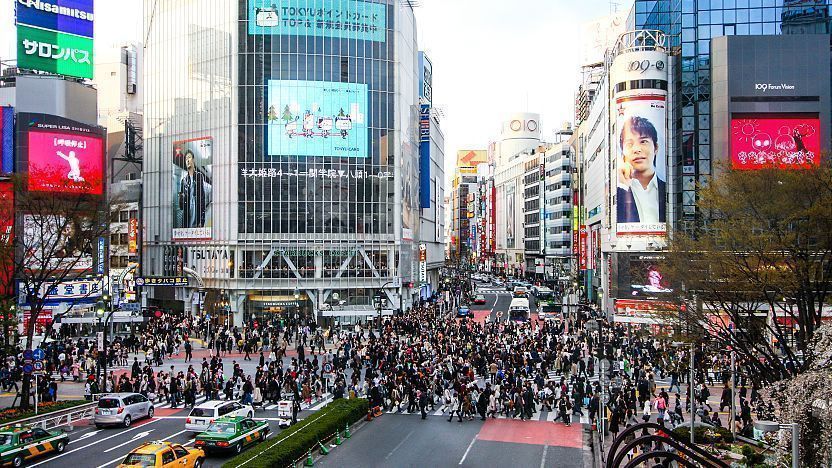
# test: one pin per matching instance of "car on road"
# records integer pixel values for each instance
(463, 311)
(232, 435)
(521, 291)
(18, 444)
(510, 285)
(479, 299)
(203, 415)
(121, 409)
(163, 454)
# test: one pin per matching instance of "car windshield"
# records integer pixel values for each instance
(202, 412)
(108, 403)
(140, 459)
(5, 439)
(223, 428)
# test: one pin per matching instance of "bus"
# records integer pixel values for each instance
(519, 310)
(548, 310)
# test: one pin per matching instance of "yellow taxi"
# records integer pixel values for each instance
(163, 455)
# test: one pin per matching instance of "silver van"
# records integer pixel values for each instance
(121, 409)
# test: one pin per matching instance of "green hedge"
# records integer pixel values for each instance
(289, 445)
(11, 415)
(702, 436)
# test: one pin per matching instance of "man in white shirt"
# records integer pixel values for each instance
(640, 194)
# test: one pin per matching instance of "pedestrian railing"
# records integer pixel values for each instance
(61, 418)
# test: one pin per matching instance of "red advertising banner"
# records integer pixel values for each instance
(44, 318)
(6, 238)
(583, 248)
(132, 235)
(758, 141)
(66, 163)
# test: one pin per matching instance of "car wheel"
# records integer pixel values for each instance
(127, 421)
(198, 463)
(98, 426)
(238, 448)
(150, 412)
(17, 461)
(250, 415)
(263, 436)
(60, 446)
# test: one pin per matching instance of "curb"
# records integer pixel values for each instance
(353, 429)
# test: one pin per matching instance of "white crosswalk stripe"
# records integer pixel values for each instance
(493, 291)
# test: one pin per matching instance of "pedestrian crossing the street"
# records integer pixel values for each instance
(313, 406)
(538, 415)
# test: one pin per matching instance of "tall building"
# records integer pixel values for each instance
(431, 185)
(556, 232)
(117, 78)
(690, 26)
(510, 153)
(281, 159)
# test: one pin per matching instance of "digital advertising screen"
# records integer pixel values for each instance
(640, 277)
(66, 162)
(317, 118)
(761, 140)
(192, 188)
(6, 239)
(344, 19)
(54, 242)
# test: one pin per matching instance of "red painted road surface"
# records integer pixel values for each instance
(532, 432)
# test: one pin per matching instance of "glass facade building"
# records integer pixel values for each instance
(690, 25)
(303, 119)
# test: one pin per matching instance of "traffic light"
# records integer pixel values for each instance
(100, 308)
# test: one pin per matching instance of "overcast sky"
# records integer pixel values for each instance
(490, 57)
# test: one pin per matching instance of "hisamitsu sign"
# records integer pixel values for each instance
(67, 16)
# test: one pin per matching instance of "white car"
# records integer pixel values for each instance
(203, 415)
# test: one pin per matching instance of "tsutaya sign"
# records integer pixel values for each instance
(211, 261)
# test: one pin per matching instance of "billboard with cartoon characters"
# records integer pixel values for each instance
(759, 140)
(317, 118)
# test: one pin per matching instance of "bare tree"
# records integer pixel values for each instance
(55, 239)
(759, 265)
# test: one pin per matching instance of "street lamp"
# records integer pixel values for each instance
(772, 426)
(378, 298)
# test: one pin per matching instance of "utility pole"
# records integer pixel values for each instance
(690, 386)
(733, 393)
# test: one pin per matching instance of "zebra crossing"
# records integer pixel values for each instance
(493, 291)
(314, 406)
(538, 415)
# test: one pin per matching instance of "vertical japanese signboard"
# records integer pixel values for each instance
(56, 37)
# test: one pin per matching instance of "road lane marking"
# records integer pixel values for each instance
(85, 436)
(174, 435)
(543, 460)
(465, 455)
(166, 438)
(138, 426)
(137, 436)
(400, 444)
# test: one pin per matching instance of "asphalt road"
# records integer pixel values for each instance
(106, 447)
(396, 440)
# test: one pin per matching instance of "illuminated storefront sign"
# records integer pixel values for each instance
(346, 19)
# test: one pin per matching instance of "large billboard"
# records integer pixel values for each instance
(345, 19)
(54, 52)
(6, 237)
(471, 158)
(64, 156)
(192, 189)
(510, 215)
(760, 140)
(6, 140)
(317, 118)
(640, 276)
(639, 139)
(68, 16)
(66, 163)
(54, 242)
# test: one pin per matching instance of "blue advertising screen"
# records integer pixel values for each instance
(347, 19)
(317, 118)
(66, 16)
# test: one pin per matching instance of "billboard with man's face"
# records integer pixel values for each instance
(192, 189)
(639, 142)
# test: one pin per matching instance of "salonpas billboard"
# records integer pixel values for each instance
(639, 142)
